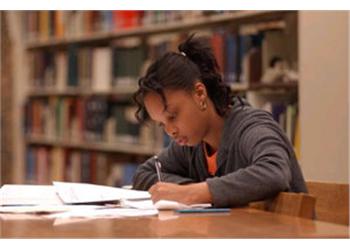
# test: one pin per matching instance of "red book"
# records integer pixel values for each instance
(218, 45)
(93, 167)
(124, 19)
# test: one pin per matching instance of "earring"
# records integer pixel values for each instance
(203, 105)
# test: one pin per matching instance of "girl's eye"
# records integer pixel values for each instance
(172, 117)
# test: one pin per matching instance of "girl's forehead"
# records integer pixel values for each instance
(170, 96)
(174, 98)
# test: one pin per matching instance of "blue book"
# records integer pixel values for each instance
(231, 58)
(72, 66)
(128, 173)
(85, 167)
(277, 110)
(245, 44)
(31, 165)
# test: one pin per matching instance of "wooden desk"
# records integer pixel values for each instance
(239, 223)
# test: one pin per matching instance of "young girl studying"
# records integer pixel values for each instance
(223, 151)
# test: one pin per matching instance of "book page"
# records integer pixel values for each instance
(105, 213)
(11, 195)
(79, 193)
(173, 205)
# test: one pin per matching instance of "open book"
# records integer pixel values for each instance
(66, 193)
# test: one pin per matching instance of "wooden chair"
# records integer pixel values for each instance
(332, 201)
(293, 204)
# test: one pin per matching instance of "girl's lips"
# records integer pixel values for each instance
(182, 141)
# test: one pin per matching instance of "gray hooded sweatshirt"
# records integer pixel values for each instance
(255, 161)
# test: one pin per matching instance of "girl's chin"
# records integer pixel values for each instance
(187, 143)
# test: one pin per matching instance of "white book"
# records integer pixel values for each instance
(61, 70)
(101, 69)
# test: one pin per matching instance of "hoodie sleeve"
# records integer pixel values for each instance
(267, 173)
(174, 168)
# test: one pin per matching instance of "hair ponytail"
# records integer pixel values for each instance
(199, 51)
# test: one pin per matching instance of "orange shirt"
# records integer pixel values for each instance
(211, 161)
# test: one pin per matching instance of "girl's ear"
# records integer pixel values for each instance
(200, 95)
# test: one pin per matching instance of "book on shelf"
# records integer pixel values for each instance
(242, 58)
(217, 43)
(285, 115)
(95, 117)
(121, 174)
(90, 119)
(47, 164)
(97, 69)
(125, 19)
(297, 136)
(242, 55)
(230, 68)
(45, 25)
(129, 56)
(101, 69)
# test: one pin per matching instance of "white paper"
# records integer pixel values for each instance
(160, 205)
(144, 204)
(109, 212)
(11, 194)
(44, 209)
(74, 193)
(173, 205)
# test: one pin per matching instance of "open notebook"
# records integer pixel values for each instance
(66, 193)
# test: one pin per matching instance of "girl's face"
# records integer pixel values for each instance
(183, 119)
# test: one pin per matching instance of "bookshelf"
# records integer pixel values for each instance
(56, 128)
(156, 28)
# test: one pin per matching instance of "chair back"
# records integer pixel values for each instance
(332, 201)
(293, 204)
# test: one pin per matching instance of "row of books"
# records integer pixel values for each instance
(91, 118)
(97, 68)
(242, 59)
(46, 164)
(42, 25)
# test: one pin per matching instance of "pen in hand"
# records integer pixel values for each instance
(158, 167)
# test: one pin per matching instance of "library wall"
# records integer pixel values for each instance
(6, 102)
(324, 95)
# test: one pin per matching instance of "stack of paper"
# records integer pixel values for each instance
(12, 195)
(65, 200)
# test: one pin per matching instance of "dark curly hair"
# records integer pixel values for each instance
(195, 62)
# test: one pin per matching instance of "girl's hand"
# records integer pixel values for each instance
(186, 194)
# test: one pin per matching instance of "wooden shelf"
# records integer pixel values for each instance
(205, 21)
(272, 87)
(238, 87)
(116, 147)
(121, 92)
(129, 91)
(260, 86)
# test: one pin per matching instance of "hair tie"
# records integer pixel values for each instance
(182, 53)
